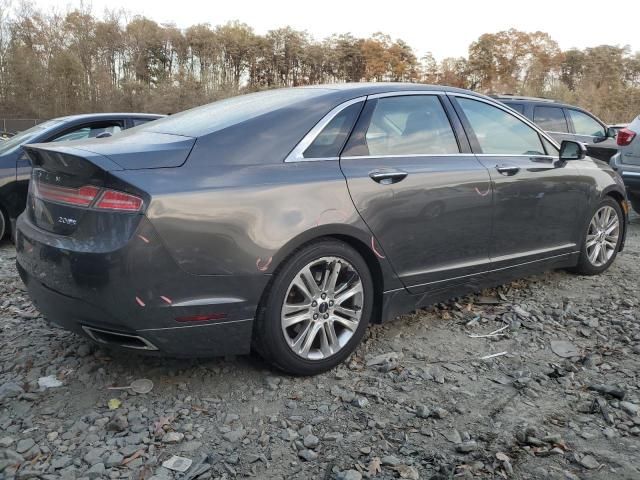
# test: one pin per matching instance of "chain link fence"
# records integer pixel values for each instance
(17, 124)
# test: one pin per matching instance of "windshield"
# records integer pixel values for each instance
(24, 137)
(225, 113)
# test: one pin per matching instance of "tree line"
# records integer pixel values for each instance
(54, 63)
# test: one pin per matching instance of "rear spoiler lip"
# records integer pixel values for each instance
(99, 160)
(147, 151)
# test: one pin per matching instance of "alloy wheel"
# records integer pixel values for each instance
(322, 308)
(602, 236)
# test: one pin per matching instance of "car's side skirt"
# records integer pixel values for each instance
(398, 302)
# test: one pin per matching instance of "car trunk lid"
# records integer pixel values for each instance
(76, 192)
(133, 149)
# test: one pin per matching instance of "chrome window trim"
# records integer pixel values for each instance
(410, 155)
(510, 111)
(533, 155)
(559, 133)
(297, 154)
(416, 155)
(630, 174)
(405, 93)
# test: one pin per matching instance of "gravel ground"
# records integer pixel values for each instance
(417, 400)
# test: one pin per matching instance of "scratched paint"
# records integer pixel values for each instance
(483, 194)
(143, 238)
(375, 250)
(140, 302)
(263, 265)
(166, 299)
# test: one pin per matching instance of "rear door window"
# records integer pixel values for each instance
(550, 119)
(88, 131)
(584, 124)
(408, 125)
(499, 132)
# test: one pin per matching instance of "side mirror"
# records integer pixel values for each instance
(572, 150)
(104, 135)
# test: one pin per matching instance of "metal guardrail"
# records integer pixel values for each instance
(18, 124)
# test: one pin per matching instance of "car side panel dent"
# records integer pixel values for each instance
(253, 217)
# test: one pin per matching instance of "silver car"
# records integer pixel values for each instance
(627, 160)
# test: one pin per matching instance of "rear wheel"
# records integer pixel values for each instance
(317, 309)
(4, 224)
(602, 239)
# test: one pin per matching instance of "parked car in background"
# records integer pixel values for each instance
(627, 160)
(566, 122)
(5, 135)
(290, 219)
(15, 169)
(616, 127)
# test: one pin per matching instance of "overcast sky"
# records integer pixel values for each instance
(444, 27)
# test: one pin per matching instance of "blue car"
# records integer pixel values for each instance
(15, 169)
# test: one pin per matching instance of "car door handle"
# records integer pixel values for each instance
(508, 169)
(386, 177)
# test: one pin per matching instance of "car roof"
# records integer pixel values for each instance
(537, 100)
(371, 88)
(100, 116)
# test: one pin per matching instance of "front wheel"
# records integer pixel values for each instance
(317, 310)
(602, 239)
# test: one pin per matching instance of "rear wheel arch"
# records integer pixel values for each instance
(374, 269)
(617, 196)
(266, 338)
(620, 199)
(347, 234)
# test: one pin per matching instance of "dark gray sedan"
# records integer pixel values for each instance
(289, 220)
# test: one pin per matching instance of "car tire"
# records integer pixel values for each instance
(291, 307)
(588, 264)
(5, 226)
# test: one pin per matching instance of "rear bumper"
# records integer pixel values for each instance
(136, 297)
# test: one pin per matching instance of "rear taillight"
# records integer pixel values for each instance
(80, 197)
(625, 137)
(86, 196)
(114, 200)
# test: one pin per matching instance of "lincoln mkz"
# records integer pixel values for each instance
(287, 221)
